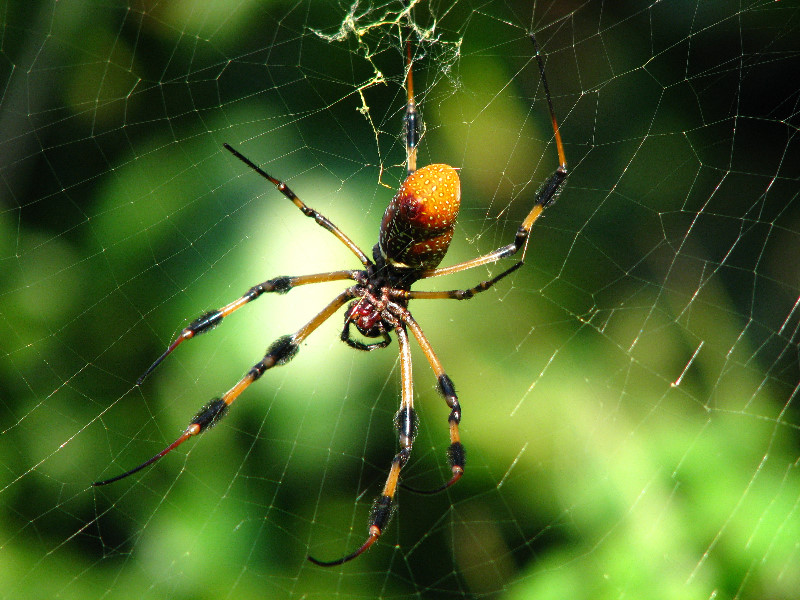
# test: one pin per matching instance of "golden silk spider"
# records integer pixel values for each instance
(415, 234)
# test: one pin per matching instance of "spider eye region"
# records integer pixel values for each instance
(418, 224)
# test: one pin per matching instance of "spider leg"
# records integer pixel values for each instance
(456, 455)
(280, 352)
(545, 196)
(411, 120)
(207, 321)
(406, 423)
(318, 217)
(454, 294)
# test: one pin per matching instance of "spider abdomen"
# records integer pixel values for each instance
(418, 224)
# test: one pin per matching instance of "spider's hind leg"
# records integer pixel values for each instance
(456, 455)
(406, 424)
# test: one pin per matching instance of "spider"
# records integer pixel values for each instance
(414, 237)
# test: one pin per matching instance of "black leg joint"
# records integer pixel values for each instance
(455, 415)
(280, 285)
(258, 369)
(287, 191)
(519, 240)
(412, 128)
(382, 510)
(547, 194)
(283, 350)
(279, 353)
(456, 455)
(446, 387)
(205, 322)
(406, 422)
(210, 414)
(254, 292)
(401, 458)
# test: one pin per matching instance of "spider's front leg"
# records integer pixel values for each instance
(280, 352)
(209, 320)
(406, 423)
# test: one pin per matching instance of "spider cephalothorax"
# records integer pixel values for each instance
(415, 234)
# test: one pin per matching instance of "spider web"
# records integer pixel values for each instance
(629, 397)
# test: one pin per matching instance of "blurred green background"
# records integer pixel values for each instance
(629, 397)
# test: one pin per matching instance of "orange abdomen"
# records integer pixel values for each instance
(418, 223)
